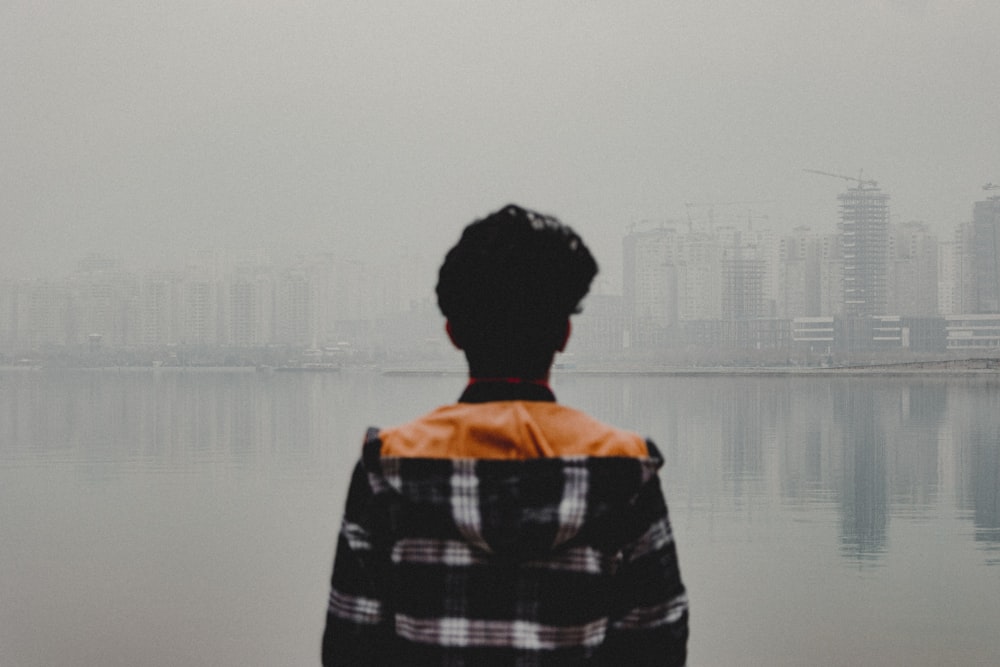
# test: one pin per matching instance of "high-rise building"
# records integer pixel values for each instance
(650, 283)
(293, 305)
(8, 325)
(250, 309)
(751, 284)
(949, 278)
(864, 245)
(742, 288)
(913, 270)
(43, 313)
(985, 256)
(160, 308)
(799, 263)
(699, 277)
(200, 312)
(956, 293)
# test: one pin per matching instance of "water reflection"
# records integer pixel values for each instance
(783, 491)
(858, 411)
(168, 421)
(976, 432)
(914, 442)
(870, 447)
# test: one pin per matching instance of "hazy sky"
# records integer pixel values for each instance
(149, 129)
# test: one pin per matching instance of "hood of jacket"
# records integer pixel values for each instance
(516, 480)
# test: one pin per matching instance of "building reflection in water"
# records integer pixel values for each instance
(857, 412)
(914, 441)
(976, 431)
(865, 448)
(825, 507)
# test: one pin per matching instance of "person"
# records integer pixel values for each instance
(507, 529)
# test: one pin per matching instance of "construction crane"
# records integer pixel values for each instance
(859, 180)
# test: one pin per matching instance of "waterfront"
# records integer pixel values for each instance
(174, 517)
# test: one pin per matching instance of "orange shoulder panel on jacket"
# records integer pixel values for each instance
(509, 430)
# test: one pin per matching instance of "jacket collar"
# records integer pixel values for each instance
(506, 389)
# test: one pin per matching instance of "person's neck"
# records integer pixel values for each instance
(483, 389)
(508, 379)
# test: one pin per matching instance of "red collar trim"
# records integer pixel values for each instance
(509, 380)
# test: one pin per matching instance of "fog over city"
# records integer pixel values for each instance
(221, 225)
(151, 131)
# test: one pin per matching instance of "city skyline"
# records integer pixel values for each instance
(684, 283)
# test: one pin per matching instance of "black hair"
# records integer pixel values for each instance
(508, 288)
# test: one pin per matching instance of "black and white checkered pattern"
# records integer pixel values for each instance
(526, 562)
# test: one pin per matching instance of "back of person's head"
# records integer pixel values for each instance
(508, 288)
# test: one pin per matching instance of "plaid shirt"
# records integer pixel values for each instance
(539, 560)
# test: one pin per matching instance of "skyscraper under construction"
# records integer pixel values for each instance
(864, 242)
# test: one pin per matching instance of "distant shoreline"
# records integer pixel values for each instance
(129, 369)
(969, 367)
(986, 366)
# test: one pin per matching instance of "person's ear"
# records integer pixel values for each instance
(451, 334)
(569, 330)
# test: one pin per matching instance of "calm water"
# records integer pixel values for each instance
(188, 518)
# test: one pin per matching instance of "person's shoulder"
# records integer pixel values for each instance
(509, 430)
(426, 436)
(573, 432)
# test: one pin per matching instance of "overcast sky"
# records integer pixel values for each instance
(149, 129)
